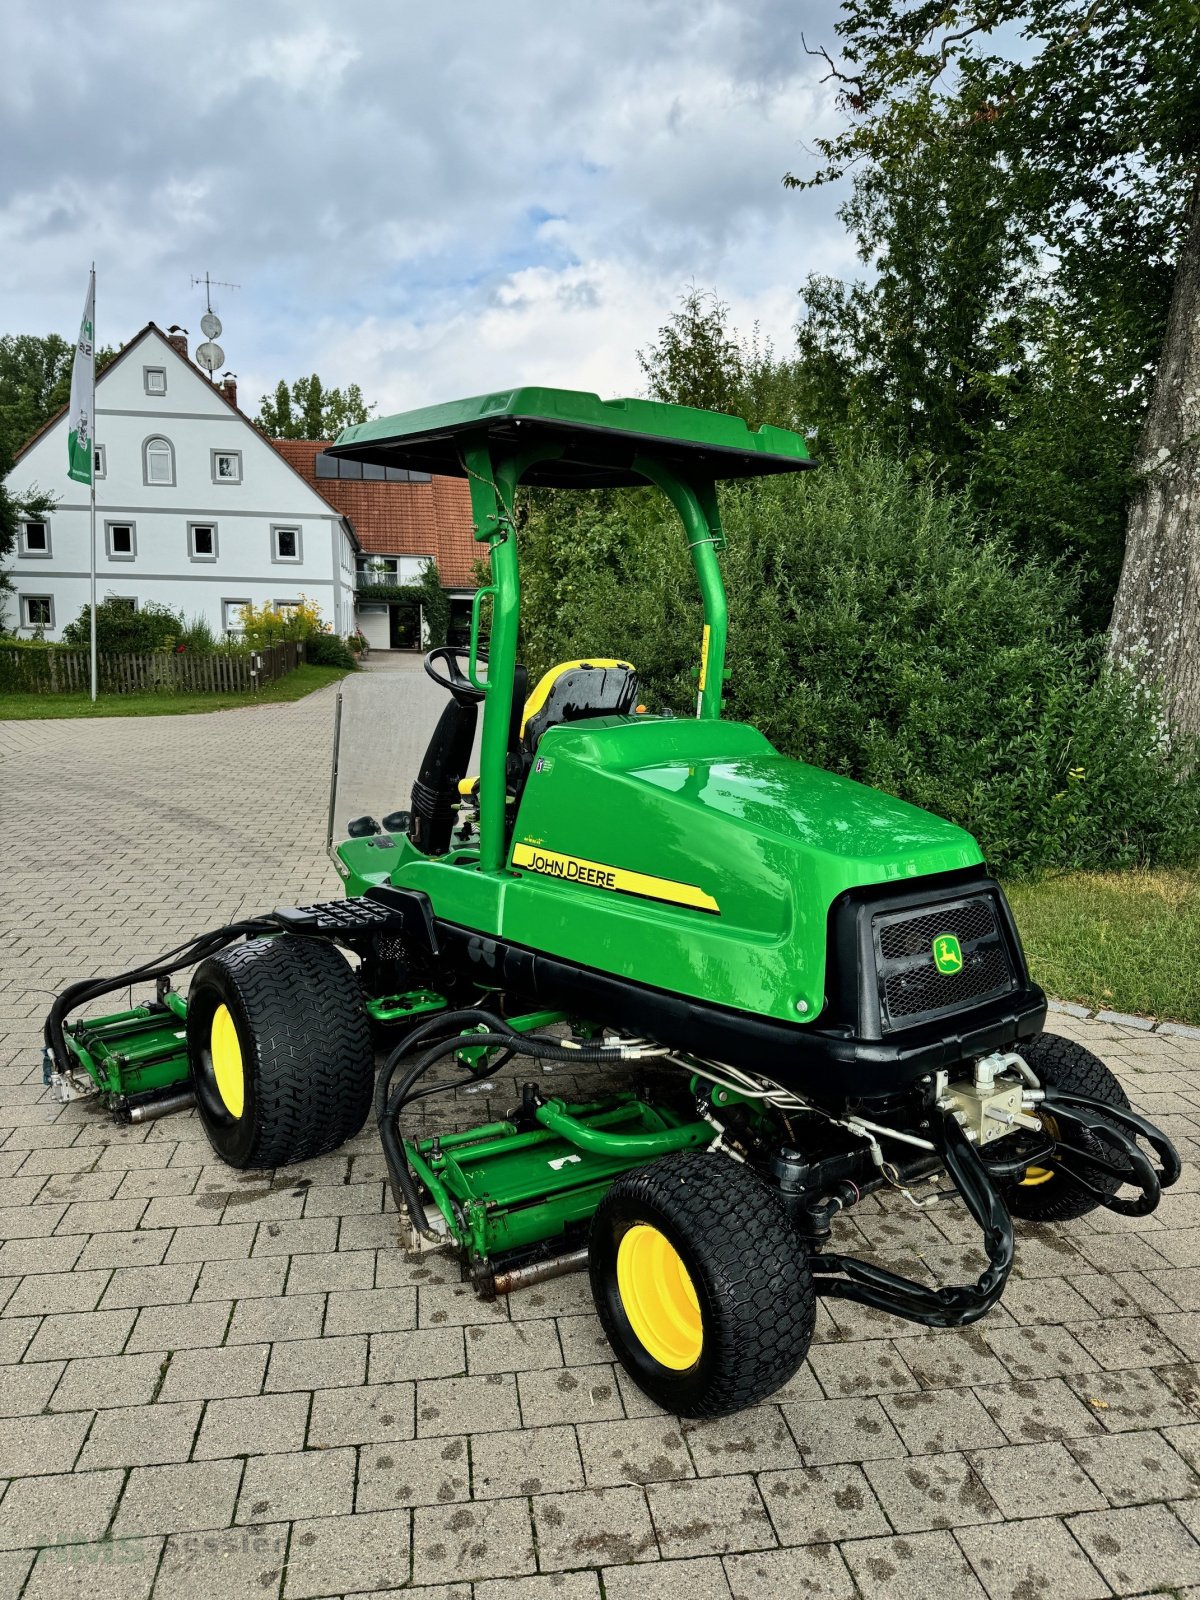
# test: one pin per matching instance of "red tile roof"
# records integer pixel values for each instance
(399, 519)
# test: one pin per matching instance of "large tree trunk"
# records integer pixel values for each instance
(1156, 618)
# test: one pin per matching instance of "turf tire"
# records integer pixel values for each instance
(747, 1265)
(1063, 1064)
(308, 1065)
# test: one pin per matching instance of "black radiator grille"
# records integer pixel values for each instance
(910, 985)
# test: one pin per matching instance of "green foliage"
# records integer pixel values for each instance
(35, 379)
(435, 604)
(329, 650)
(876, 632)
(120, 627)
(1020, 180)
(700, 359)
(265, 625)
(310, 411)
(199, 636)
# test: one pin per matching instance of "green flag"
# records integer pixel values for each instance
(82, 412)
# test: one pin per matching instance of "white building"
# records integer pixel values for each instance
(194, 507)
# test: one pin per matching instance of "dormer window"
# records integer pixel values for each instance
(158, 462)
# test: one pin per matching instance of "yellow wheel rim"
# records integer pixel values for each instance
(659, 1298)
(226, 1051)
(1036, 1175)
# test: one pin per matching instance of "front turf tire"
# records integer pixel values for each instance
(279, 1050)
(1062, 1064)
(701, 1283)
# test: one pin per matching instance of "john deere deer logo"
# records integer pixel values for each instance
(947, 954)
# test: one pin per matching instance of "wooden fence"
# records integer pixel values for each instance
(53, 670)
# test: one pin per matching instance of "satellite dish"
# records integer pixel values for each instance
(210, 325)
(210, 356)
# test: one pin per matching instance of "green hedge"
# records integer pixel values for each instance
(873, 632)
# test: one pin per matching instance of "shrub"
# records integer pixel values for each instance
(874, 632)
(199, 636)
(120, 627)
(267, 625)
(435, 605)
(329, 650)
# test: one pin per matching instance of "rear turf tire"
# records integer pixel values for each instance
(726, 1304)
(1063, 1064)
(279, 1050)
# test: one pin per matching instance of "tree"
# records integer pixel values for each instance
(35, 379)
(310, 411)
(1092, 109)
(698, 359)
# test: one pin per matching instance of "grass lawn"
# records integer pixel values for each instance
(1115, 941)
(23, 707)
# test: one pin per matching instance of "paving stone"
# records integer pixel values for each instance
(149, 1286)
(103, 1216)
(1039, 1352)
(1122, 1401)
(97, 1382)
(935, 1420)
(141, 1436)
(638, 1450)
(26, 1390)
(179, 1499)
(374, 1412)
(1134, 1468)
(16, 1335)
(174, 1327)
(1140, 1548)
(286, 1238)
(331, 1555)
(370, 1310)
(527, 1461)
(952, 1359)
(513, 1347)
(1044, 1409)
(870, 1367)
(448, 1305)
(592, 1527)
(317, 1363)
(700, 1578)
(74, 1508)
(215, 1374)
(1018, 1560)
(492, 1539)
(412, 1472)
(935, 1491)
(467, 1405)
(236, 1564)
(31, 1445)
(268, 1317)
(1118, 1343)
(814, 1505)
(81, 1333)
(123, 1569)
(582, 1394)
(833, 1431)
(230, 1242)
(353, 1269)
(305, 1483)
(40, 1293)
(1021, 1477)
(707, 1516)
(241, 1279)
(749, 1441)
(815, 1569)
(912, 1566)
(426, 1353)
(550, 1586)
(111, 1250)
(256, 1425)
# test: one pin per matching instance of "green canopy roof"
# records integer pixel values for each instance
(599, 438)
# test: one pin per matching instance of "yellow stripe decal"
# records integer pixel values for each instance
(704, 656)
(572, 869)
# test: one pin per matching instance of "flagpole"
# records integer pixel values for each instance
(93, 476)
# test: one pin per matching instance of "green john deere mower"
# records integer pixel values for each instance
(806, 990)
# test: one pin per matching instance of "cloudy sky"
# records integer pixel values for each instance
(426, 201)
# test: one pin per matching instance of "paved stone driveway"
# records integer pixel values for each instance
(204, 1374)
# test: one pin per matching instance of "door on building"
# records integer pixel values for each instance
(406, 625)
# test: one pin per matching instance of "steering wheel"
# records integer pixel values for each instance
(459, 685)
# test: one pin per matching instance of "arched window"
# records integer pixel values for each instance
(158, 461)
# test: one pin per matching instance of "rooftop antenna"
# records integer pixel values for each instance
(209, 354)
